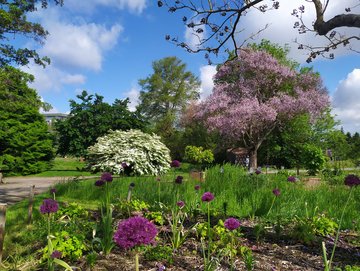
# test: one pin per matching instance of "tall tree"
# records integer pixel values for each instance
(26, 146)
(93, 118)
(222, 20)
(254, 94)
(13, 22)
(165, 95)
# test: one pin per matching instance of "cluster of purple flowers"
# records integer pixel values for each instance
(232, 223)
(291, 179)
(56, 254)
(207, 197)
(49, 206)
(276, 192)
(175, 163)
(179, 179)
(135, 231)
(352, 180)
(105, 177)
(181, 204)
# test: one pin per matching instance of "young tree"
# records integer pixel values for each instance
(26, 146)
(254, 94)
(13, 21)
(221, 21)
(90, 119)
(165, 95)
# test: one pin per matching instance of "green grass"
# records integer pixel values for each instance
(65, 167)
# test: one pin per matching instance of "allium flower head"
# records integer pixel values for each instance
(207, 196)
(258, 171)
(132, 185)
(180, 203)
(135, 231)
(175, 163)
(52, 191)
(179, 179)
(232, 223)
(291, 179)
(56, 254)
(99, 183)
(158, 179)
(276, 192)
(49, 206)
(124, 165)
(352, 180)
(107, 177)
(197, 187)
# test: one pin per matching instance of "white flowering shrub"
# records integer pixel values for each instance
(130, 151)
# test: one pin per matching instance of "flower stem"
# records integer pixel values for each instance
(136, 261)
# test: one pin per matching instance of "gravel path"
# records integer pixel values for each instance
(18, 188)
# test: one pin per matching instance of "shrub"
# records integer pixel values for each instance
(132, 152)
(199, 156)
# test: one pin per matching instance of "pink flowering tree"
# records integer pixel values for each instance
(254, 94)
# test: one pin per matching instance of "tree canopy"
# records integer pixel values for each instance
(221, 21)
(13, 22)
(26, 146)
(92, 118)
(254, 94)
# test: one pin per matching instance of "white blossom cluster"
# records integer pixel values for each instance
(145, 154)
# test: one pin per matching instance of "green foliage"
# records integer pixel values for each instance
(126, 208)
(14, 20)
(164, 96)
(143, 153)
(248, 257)
(71, 246)
(197, 155)
(159, 253)
(26, 145)
(314, 159)
(90, 119)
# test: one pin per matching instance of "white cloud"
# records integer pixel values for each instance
(346, 102)
(133, 95)
(280, 26)
(51, 78)
(136, 6)
(80, 46)
(207, 83)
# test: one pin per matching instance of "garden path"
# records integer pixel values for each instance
(16, 189)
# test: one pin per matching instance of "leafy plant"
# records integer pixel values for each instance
(199, 156)
(144, 154)
(159, 253)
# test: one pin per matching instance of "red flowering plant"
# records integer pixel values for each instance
(134, 232)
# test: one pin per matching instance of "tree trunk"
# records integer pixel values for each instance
(253, 159)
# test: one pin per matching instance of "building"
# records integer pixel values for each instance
(51, 117)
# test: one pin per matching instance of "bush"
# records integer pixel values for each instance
(199, 156)
(132, 152)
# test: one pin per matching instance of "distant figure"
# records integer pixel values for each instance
(247, 161)
(1, 178)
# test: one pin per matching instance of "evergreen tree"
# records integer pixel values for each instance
(26, 146)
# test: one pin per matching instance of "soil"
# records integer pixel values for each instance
(272, 253)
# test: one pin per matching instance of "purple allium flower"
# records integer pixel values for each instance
(180, 204)
(124, 165)
(291, 179)
(207, 196)
(132, 185)
(276, 192)
(52, 191)
(179, 179)
(158, 179)
(352, 180)
(232, 223)
(175, 163)
(99, 183)
(258, 171)
(160, 267)
(56, 254)
(107, 177)
(197, 187)
(135, 231)
(49, 206)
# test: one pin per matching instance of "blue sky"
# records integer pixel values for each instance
(106, 46)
